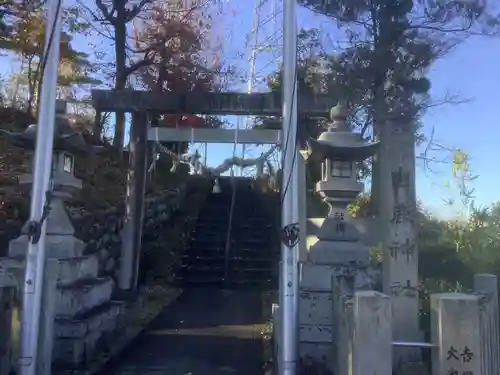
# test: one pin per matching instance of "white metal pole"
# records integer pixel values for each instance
(289, 256)
(42, 167)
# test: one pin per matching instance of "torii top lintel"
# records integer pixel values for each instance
(208, 103)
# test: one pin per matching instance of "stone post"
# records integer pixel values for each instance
(455, 330)
(7, 290)
(486, 286)
(372, 334)
(342, 307)
(134, 203)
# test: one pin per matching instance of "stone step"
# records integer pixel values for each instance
(236, 232)
(233, 265)
(240, 205)
(76, 339)
(234, 259)
(253, 223)
(220, 280)
(209, 273)
(80, 325)
(241, 213)
(58, 246)
(315, 333)
(253, 243)
(197, 268)
(208, 232)
(236, 228)
(70, 270)
(83, 296)
(206, 272)
(234, 252)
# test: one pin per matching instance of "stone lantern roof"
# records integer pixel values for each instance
(339, 142)
(65, 137)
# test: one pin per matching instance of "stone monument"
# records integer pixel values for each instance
(75, 298)
(334, 244)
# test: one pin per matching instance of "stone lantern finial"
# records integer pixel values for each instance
(338, 117)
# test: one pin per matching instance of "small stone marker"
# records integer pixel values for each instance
(455, 330)
(372, 336)
(486, 286)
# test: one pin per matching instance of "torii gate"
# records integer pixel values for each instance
(140, 103)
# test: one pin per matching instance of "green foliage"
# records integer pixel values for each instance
(360, 207)
(26, 40)
(438, 16)
(376, 255)
(451, 252)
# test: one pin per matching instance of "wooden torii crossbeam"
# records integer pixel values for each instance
(209, 103)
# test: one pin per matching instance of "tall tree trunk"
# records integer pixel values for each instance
(97, 129)
(121, 79)
(375, 177)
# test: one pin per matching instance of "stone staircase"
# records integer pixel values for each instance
(251, 257)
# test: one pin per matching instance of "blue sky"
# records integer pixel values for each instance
(471, 71)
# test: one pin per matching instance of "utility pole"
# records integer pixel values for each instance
(289, 283)
(42, 168)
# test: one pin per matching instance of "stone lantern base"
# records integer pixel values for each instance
(335, 251)
(60, 240)
(82, 308)
(332, 240)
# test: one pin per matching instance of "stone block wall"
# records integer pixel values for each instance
(101, 231)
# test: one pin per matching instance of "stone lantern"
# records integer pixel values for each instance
(67, 145)
(339, 150)
(67, 268)
(337, 262)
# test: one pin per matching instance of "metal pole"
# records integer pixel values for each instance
(253, 46)
(42, 167)
(289, 256)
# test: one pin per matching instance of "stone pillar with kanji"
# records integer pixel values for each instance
(395, 206)
(334, 244)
